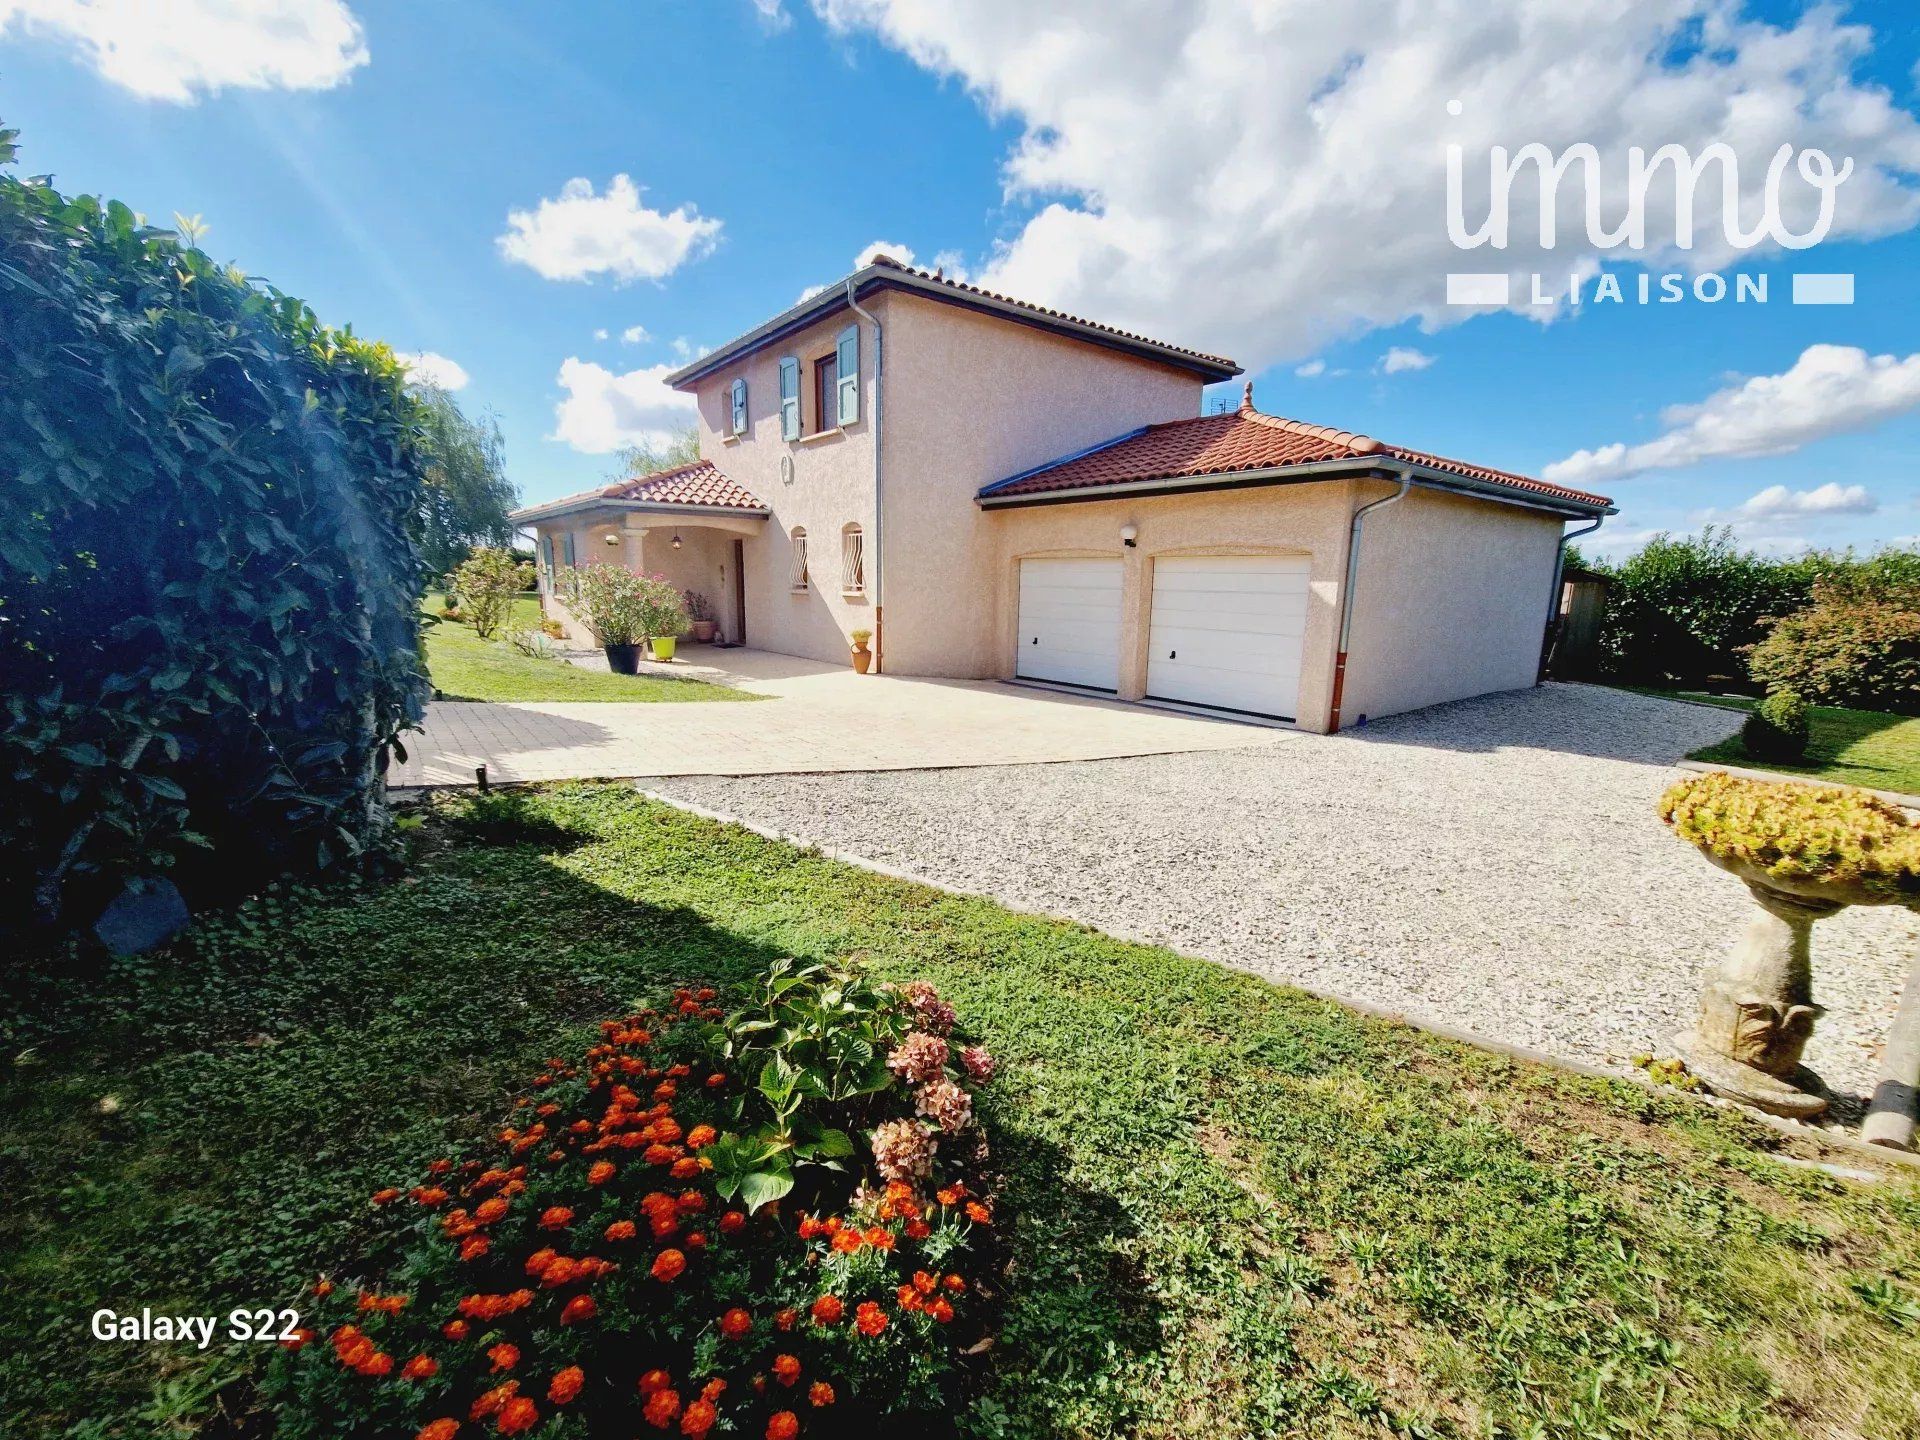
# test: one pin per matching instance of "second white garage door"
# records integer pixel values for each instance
(1227, 632)
(1070, 622)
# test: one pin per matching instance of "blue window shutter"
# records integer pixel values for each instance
(569, 549)
(740, 407)
(546, 553)
(789, 398)
(849, 372)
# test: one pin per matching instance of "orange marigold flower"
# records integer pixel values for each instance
(735, 1323)
(578, 1309)
(923, 1282)
(662, 1407)
(600, 1172)
(441, 1429)
(663, 1223)
(665, 1090)
(685, 1168)
(699, 1419)
(820, 1394)
(918, 1229)
(849, 1241)
(519, 1416)
(697, 1240)
(504, 1356)
(828, 1310)
(691, 1202)
(540, 1260)
(456, 1329)
(785, 1319)
(713, 1390)
(783, 1426)
(948, 1195)
(621, 1230)
(489, 1211)
(978, 1213)
(565, 1386)
(323, 1287)
(668, 1264)
(439, 1167)
(810, 1227)
(869, 1319)
(430, 1195)
(298, 1340)
(556, 1217)
(880, 1238)
(474, 1246)
(654, 1380)
(386, 1196)
(716, 1080)
(494, 1401)
(375, 1365)
(908, 1297)
(731, 1221)
(420, 1367)
(701, 1136)
(786, 1368)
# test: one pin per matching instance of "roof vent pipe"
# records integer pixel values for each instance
(1346, 593)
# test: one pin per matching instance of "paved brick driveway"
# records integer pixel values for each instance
(819, 718)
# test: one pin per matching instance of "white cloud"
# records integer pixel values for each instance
(579, 234)
(1829, 390)
(902, 253)
(429, 368)
(604, 411)
(773, 14)
(600, 334)
(1777, 502)
(184, 49)
(634, 335)
(1311, 369)
(1321, 209)
(1404, 357)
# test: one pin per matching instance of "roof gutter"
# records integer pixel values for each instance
(879, 508)
(557, 508)
(1346, 593)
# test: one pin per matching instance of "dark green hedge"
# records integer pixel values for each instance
(209, 571)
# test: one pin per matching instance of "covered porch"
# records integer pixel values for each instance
(690, 526)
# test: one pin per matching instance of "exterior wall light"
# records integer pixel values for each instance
(676, 542)
(612, 539)
(1129, 534)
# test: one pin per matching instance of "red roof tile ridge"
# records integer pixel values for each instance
(1348, 439)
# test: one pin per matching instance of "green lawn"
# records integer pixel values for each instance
(462, 666)
(1851, 747)
(1233, 1210)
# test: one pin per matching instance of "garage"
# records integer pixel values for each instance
(1070, 622)
(1227, 632)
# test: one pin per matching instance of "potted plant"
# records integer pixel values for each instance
(862, 656)
(700, 617)
(1804, 853)
(612, 603)
(666, 616)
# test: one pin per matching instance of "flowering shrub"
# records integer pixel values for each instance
(593, 1273)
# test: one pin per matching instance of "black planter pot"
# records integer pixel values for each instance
(623, 659)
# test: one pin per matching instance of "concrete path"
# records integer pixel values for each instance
(820, 718)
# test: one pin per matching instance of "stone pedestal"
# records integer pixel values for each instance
(1757, 1011)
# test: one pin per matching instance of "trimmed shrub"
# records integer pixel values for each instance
(1800, 832)
(634, 1254)
(1855, 648)
(488, 582)
(1777, 728)
(209, 584)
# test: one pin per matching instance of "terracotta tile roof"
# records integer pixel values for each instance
(1245, 440)
(699, 485)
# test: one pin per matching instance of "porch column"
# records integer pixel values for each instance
(633, 550)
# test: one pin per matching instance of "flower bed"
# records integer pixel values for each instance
(678, 1233)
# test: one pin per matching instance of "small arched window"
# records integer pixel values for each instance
(853, 563)
(798, 578)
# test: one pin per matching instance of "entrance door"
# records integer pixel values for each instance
(1227, 632)
(1070, 622)
(739, 636)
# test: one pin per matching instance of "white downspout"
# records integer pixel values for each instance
(879, 508)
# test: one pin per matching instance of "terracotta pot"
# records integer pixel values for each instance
(623, 659)
(862, 658)
(704, 631)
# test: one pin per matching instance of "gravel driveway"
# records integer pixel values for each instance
(1494, 864)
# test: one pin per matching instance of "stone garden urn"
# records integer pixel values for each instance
(1804, 853)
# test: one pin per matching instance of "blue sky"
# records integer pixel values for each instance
(1271, 190)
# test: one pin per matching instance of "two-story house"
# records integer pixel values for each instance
(999, 490)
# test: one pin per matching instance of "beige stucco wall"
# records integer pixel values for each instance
(1309, 519)
(703, 561)
(971, 400)
(1450, 601)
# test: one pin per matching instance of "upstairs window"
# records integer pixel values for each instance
(789, 398)
(798, 579)
(853, 561)
(739, 407)
(826, 386)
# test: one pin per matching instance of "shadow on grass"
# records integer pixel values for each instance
(200, 1128)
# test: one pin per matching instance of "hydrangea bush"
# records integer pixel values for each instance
(701, 1226)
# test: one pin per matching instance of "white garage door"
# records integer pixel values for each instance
(1070, 622)
(1227, 632)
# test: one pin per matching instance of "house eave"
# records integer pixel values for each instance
(886, 277)
(533, 514)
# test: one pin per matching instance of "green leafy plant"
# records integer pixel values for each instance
(209, 568)
(665, 608)
(1777, 727)
(698, 606)
(860, 638)
(1854, 647)
(1799, 832)
(488, 582)
(610, 600)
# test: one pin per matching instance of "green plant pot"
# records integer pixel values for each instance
(663, 646)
